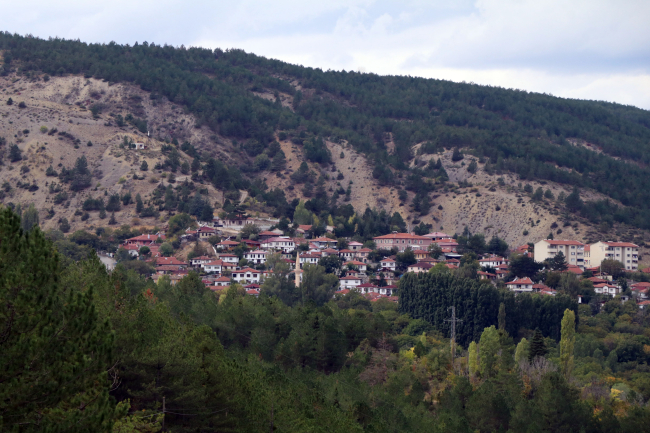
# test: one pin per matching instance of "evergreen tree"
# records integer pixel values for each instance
(537, 346)
(139, 205)
(64, 225)
(29, 218)
(567, 342)
(15, 154)
(53, 352)
(112, 221)
(502, 317)
(144, 166)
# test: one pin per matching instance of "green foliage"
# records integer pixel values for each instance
(567, 342)
(521, 353)
(489, 344)
(537, 346)
(49, 382)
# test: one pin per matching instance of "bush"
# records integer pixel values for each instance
(22, 104)
(43, 129)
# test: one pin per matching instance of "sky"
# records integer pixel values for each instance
(586, 49)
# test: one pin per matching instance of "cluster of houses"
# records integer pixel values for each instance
(376, 278)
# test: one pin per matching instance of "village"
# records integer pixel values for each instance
(373, 269)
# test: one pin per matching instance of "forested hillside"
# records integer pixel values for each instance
(601, 146)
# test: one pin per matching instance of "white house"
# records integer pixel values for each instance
(359, 265)
(493, 261)
(214, 267)
(200, 261)
(389, 264)
(311, 259)
(281, 243)
(247, 275)
(520, 285)
(349, 282)
(257, 256)
(229, 258)
(607, 289)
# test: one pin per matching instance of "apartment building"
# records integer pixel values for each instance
(574, 251)
(625, 252)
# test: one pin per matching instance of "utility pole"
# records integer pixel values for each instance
(163, 420)
(453, 321)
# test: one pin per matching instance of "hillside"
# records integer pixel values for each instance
(252, 122)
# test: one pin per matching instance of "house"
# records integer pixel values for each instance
(389, 290)
(247, 275)
(644, 304)
(329, 251)
(236, 223)
(645, 270)
(359, 265)
(169, 261)
(134, 250)
(140, 146)
(625, 252)
(213, 267)
(520, 285)
(257, 256)
(641, 290)
(486, 276)
(421, 254)
(362, 254)
(573, 269)
(267, 234)
(402, 241)
(204, 232)
(448, 245)
(347, 254)
(493, 261)
(437, 236)
(144, 240)
(255, 245)
(229, 258)
(607, 289)
(420, 267)
(349, 282)
(324, 242)
(354, 246)
(388, 264)
(367, 288)
(310, 259)
(227, 244)
(222, 281)
(201, 260)
(280, 243)
(303, 228)
(573, 251)
(543, 290)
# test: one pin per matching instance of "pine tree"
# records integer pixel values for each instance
(502, 317)
(138, 203)
(144, 166)
(53, 352)
(537, 346)
(64, 225)
(29, 218)
(112, 221)
(567, 342)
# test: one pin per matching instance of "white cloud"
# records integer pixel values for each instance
(592, 49)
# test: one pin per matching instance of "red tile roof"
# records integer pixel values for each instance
(554, 242)
(521, 281)
(401, 236)
(621, 244)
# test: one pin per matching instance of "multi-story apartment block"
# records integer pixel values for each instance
(625, 252)
(574, 251)
(402, 241)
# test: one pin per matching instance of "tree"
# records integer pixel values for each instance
(405, 259)
(166, 249)
(29, 218)
(573, 201)
(524, 266)
(567, 342)
(557, 263)
(538, 195)
(612, 267)
(502, 317)
(301, 215)
(521, 353)
(537, 346)
(457, 155)
(317, 286)
(10, 101)
(112, 221)
(64, 225)
(139, 205)
(497, 246)
(472, 167)
(144, 166)
(435, 251)
(472, 359)
(15, 154)
(490, 345)
(53, 351)
(250, 231)
(178, 224)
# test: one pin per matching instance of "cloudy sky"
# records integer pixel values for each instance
(588, 49)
